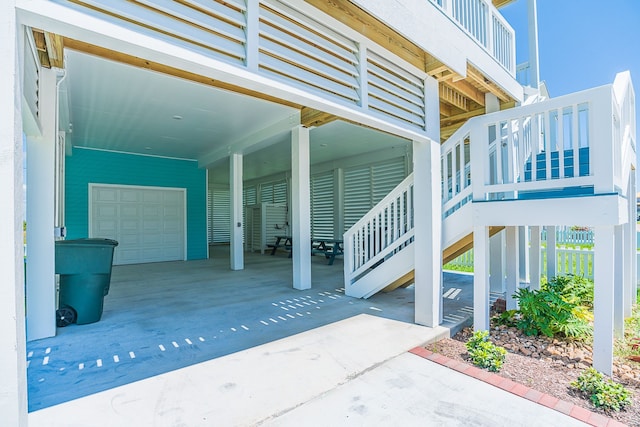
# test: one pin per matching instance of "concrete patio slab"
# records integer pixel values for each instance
(165, 316)
(251, 386)
(411, 391)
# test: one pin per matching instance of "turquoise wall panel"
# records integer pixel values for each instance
(106, 167)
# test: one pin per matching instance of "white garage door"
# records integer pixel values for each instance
(148, 222)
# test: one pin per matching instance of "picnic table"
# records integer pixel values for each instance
(281, 242)
(328, 247)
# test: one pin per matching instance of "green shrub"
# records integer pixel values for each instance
(560, 307)
(603, 393)
(576, 290)
(484, 353)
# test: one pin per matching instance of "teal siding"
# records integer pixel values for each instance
(105, 167)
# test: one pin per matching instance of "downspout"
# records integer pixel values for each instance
(59, 168)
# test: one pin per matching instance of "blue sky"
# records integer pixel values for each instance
(582, 43)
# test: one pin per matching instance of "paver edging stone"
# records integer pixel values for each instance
(567, 408)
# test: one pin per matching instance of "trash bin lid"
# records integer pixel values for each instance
(97, 241)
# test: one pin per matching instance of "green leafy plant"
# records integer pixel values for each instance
(560, 307)
(603, 392)
(506, 318)
(576, 290)
(484, 353)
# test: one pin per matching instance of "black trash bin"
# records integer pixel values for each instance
(84, 266)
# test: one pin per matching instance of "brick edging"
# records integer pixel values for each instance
(528, 393)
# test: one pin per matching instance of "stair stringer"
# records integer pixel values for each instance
(383, 274)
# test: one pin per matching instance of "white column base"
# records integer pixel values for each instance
(481, 278)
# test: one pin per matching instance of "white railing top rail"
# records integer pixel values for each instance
(527, 109)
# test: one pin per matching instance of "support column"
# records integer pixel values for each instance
(535, 261)
(552, 256)
(480, 278)
(236, 249)
(523, 253)
(41, 279)
(13, 369)
(603, 298)
(300, 208)
(428, 237)
(512, 266)
(618, 282)
(496, 264)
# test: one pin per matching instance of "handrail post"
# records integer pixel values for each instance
(478, 162)
(601, 155)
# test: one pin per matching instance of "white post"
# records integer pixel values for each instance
(236, 226)
(13, 365)
(432, 110)
(532, 15)
(253, 37)
(601, 127)
(480, 278)
(535, 262)
(552, 256)
(427, 203)
(512, 267)
(523, 253)
(603, 298)
(41, 283)
(618, 282)
(497, 262)
(300, 208)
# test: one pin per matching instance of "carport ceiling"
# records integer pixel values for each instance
(114, 106)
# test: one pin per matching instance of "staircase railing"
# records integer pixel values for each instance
(384, 230)
(583, 140)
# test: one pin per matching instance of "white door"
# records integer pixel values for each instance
(148, 222)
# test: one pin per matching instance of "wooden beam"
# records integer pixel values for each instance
(453, 97)
(135, 61)
(466, 89)
(462, 117)
(374, 29)
(500, 3)
(310, 117)
(479, 78)
(49, 47)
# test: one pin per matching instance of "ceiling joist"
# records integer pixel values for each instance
(50, 48)
(480, 80)
(453, 97)
(466, 89)
(310, 117)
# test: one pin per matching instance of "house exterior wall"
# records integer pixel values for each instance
(105, 167)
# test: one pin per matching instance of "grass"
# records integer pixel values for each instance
(454, 267)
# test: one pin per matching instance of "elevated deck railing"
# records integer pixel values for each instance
(539, 149)
(482, 21)
(565, 142)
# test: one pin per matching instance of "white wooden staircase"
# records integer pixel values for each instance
(575, 150)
